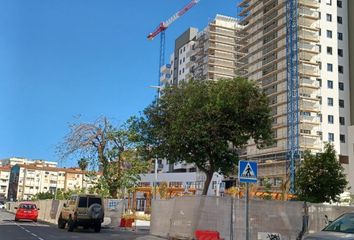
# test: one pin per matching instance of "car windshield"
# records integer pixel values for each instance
(28, 206)
(343, 224)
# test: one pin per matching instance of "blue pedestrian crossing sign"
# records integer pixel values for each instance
(247, 171)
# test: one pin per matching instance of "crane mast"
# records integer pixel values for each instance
(161, 28)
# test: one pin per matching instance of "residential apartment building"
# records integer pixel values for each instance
(12, 161)
(4, 181)
(210, 54)
(298, 52)
(313, 55)
(26, 180)
(351, 77)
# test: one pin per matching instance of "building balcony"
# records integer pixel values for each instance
(309, 105)
(222, 71)
(222, 63)
(227, 48)
(166, 69)
(309, 83)
(309, 119)
(309, 141)
(309, 48)
(308, 69)
(308, 35)
(309, 3)
(226, 56)
(225, 40)
(218, 31)
(310, 20)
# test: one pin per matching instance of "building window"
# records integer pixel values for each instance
(340, 69)
(330, 137)
(330, 101)
(329, 33)
(342, 138)
(329, 50)
(329, 67)
(341, 86)
(341, 103)
(340, 19)
(184, 59)
(339, 4)
(329, 17)
(342, 121)
(340, 52)
(329, 2)
(330, 119)
(340, 36)
(330, 84)
(184, 49)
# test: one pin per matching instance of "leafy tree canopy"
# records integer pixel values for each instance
(206, 123)
(320, 177)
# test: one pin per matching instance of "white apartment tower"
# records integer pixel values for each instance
(297, 51)
(207, 55)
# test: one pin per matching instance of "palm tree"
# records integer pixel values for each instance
(83, 164)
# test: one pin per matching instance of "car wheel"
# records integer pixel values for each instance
(97, 227)
(61, 223)
(16, 219)
(71, 225)
(35, 220)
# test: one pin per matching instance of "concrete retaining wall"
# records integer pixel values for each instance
(50, 210)
(180, 217)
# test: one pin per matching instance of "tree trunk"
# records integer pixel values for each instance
(209, 176)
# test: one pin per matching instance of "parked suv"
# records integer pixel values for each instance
(82, 210)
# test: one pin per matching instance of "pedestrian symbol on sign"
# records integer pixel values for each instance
(248, 172)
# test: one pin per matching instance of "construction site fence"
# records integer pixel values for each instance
(49, 210)
(178, 218)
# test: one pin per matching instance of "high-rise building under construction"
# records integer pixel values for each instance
(298, 52)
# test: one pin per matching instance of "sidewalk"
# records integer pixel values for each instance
(149, 238)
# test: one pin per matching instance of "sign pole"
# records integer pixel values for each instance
(248, 171)
(247, 211)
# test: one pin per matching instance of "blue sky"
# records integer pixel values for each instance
(60, 59)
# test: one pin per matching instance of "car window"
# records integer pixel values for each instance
(93, 200)
(82, 202)
(28, 206)
(344, 224)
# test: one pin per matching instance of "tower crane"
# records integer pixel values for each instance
(161, 28)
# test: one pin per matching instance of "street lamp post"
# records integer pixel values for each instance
(156, 162)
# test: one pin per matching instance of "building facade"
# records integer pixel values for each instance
(299, 53)
(351, 85)
(4, 181)
(314, 58)
(27, 179)
(210, 54)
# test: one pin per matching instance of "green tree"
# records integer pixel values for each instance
(111, 148)
(267, 190)
(43, 196)
(320, 177)
(83, 163)
(206, 123)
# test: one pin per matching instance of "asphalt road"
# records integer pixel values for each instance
(11, 230)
